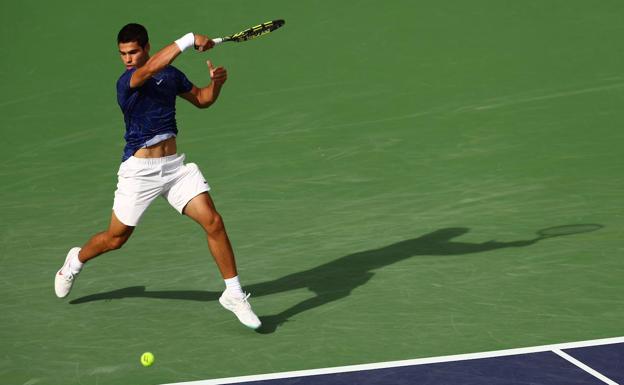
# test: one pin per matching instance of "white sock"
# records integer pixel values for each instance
(74, 264)
(233, 286)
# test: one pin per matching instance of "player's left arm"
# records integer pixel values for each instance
(206, 96)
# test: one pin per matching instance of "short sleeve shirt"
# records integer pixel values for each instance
(149, 110)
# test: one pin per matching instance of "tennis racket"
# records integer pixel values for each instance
(252, 32)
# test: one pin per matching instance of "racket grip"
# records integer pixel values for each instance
(218, 40)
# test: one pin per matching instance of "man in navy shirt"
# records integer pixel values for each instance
(151, 166)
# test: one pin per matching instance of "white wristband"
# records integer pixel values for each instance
(186, 41)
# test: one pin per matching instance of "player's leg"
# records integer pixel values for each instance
(187, 192)
(138, 184)
(113, 238)
(202, 210)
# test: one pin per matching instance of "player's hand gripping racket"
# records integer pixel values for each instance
(252, 32)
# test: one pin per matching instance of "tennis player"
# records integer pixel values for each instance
(151, 166)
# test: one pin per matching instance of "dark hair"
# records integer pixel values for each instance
(133, 32)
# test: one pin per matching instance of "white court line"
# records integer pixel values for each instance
(418, 361)
(586, 368)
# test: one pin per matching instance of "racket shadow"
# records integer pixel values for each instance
(336, 279)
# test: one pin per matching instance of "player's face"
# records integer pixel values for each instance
(132, 55)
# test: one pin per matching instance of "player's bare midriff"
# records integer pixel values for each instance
(164, 148)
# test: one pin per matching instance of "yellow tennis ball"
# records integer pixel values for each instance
(147, 359)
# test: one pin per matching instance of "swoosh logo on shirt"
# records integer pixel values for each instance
(158, 82)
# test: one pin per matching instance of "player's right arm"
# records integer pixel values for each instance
(163, 58)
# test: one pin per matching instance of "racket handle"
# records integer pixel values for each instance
(218, 40)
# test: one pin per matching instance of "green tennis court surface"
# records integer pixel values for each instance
(383, 170)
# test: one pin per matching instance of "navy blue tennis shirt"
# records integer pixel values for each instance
(149, 110)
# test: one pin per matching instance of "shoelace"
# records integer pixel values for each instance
(242, 302)
(67, 275)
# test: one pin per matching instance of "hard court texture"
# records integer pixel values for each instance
(382, 170)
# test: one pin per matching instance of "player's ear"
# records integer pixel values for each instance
(147, 47)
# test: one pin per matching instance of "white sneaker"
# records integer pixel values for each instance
(241, 308)
(64, 278)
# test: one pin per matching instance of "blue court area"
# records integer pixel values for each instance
(584, 363)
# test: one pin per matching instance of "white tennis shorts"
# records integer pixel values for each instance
(141, 180)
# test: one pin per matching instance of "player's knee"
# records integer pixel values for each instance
(115, 243)
(214, 224)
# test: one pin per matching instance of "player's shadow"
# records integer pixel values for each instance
(331, 281)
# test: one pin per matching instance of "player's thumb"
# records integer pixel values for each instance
(210, 66)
